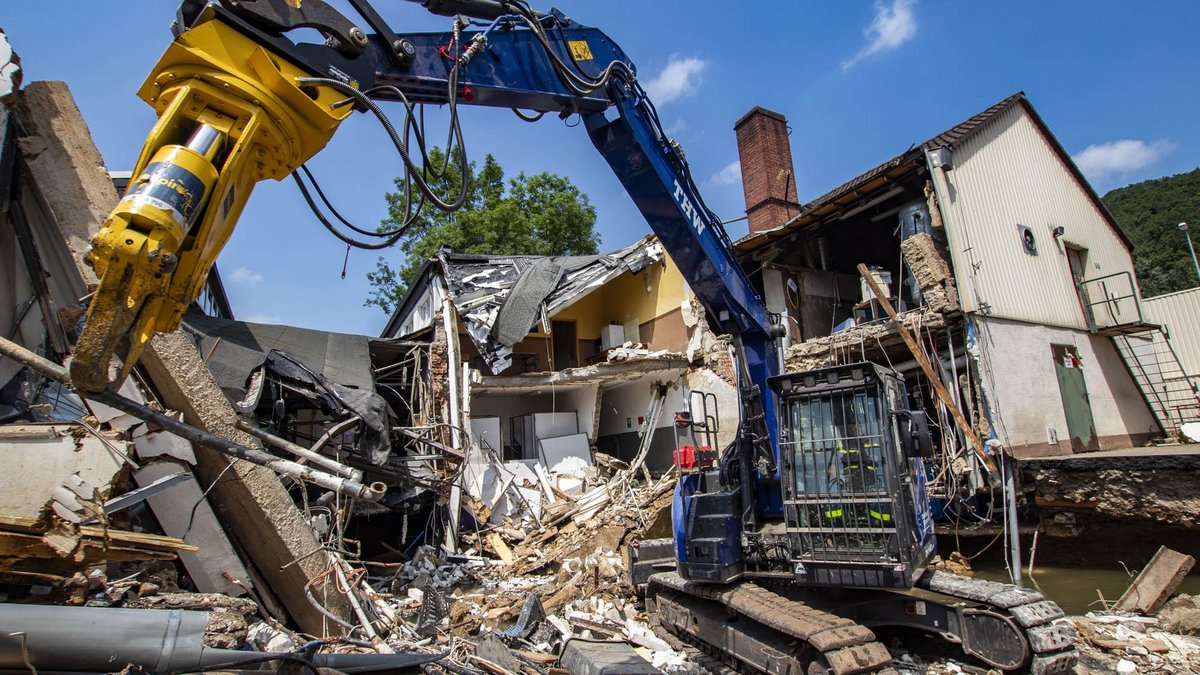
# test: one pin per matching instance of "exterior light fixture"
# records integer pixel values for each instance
(1188, 235)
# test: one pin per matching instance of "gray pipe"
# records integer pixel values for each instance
(102, 639)
(97, 638)
(301, 451)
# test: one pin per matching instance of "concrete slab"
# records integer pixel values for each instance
(1151, 589)
(37, 463)
(184, 513)
(1175, 456)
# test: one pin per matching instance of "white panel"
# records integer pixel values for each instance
(550, 425)
(183, 510)
(612, 336)
(487, 430)
(1007, 174)
(555, 450)
(1179, 313)
(35, 465)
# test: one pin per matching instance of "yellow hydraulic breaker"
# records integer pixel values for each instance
(230, 113)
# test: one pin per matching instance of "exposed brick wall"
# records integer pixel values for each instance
(768, 180)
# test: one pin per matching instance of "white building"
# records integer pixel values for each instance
(1040, 284)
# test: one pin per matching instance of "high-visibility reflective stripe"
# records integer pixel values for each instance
(878, 515)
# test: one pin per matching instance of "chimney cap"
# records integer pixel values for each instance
(758, 110)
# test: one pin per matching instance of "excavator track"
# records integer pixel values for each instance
(808, 637)
(1051, 642)
(768, 631)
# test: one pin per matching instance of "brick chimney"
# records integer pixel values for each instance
(767, 176)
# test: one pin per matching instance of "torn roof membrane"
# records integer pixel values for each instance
(501, 298)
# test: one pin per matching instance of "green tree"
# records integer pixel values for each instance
(542, 214)
(1150, 212)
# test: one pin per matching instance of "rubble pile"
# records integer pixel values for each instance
(1124, 643)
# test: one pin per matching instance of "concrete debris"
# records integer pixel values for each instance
(1119, 642)
(1156, 582)
(927, 261)
(858, 343)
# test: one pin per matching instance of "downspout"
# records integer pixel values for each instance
(959, 259)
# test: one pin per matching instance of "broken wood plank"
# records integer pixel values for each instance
(15, 547)
(934, 380)
(29, 432)
(1161, 576)
(152, 542)
(501, 548)
(537, 657)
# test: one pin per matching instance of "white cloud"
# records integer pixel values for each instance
(1117, 157)
(730, 174)
(892, 26)
(260, 318)
(677, 127)
(243, 275)
(680, 78)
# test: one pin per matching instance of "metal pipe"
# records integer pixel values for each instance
(206, 142)
(105, 639)
(1191, 247)
(960, 361)
(373, 492)
(300, 451)
(1009, 464)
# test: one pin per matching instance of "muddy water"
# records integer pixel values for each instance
(1075, 588)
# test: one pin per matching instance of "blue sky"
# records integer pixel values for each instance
(858, 81)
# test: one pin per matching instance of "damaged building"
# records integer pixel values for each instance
(557, 356)
(999, 258)
(573, 345)
(272, 484)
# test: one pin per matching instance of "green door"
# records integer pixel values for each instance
(1076, 405)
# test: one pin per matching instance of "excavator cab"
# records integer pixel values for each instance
(855, 509)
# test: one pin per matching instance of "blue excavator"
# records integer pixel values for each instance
(791, 544)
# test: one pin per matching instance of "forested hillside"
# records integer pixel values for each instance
(1151, 212)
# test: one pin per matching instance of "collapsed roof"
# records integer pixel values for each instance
(333, 370)
(500, 298)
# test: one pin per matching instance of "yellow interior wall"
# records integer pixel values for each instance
(587, 313)
(626, 298)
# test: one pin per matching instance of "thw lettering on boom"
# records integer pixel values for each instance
(688, 210)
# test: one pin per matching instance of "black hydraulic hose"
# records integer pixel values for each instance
(370, 246)
(361, 98)
(325, 200)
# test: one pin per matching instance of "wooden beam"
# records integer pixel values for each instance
(152, 542)
(934, 380)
